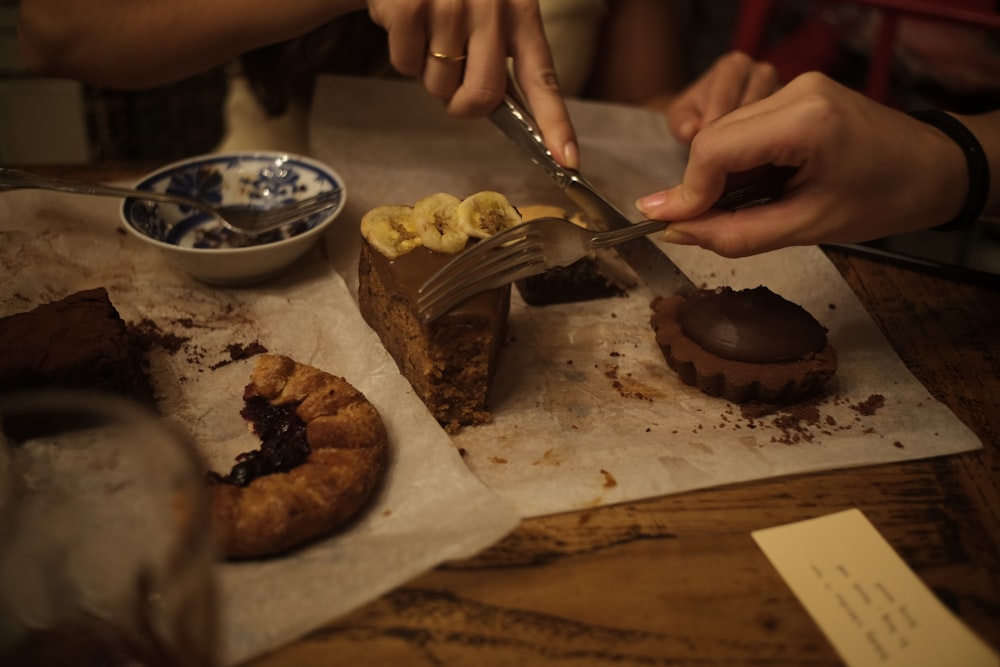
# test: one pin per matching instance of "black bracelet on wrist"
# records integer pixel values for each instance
(975, 158)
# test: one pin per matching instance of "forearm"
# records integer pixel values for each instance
(135, 44)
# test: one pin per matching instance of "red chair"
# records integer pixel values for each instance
(819, 43)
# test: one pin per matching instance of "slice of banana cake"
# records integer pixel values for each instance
(450, 362)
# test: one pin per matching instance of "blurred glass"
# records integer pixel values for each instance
(105, 550)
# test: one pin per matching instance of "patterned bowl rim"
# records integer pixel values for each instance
(213, 158)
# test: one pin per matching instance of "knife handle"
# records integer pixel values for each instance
(743, 189)
(519, 126)
(754, 187)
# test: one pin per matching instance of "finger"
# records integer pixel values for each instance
(684, 116)
(485, 76)
(729, 146)
(407, 38)
(726, 87)
(535, 72)
(748, 231)
(763, 81)
(799, 89)
(447, 55)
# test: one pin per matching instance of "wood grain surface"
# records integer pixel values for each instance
(678, 580)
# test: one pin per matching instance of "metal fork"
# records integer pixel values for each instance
(237, 218)
(516, 253)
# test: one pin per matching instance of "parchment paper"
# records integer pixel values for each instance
(586, 412)
(430, 509)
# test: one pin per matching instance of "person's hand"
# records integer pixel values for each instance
(459, 51)
(864, 171)
(734, 80)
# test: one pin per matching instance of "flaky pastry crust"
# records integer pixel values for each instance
(347, 461)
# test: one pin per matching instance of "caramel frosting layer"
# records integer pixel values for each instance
(405, 274)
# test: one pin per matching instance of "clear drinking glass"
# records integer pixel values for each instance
(105, 551)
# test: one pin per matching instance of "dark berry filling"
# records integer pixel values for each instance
(283, 442)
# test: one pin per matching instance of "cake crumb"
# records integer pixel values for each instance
(238, 351)
(148, 333)
(870, 405)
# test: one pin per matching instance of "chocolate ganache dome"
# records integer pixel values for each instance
(754, 325)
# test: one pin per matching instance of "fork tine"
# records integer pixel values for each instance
(301, 209)
(441, 304)
(322, 201)
(510, 240)
(506, 243)
(494, 262)
(497, 263)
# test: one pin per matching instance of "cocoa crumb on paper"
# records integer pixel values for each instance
(189, 323)
(795, 423)
(549, 458)
(238, 351)
(148, 334)
(628, 387)
(795, 427)
(804, 422)
(870, 405)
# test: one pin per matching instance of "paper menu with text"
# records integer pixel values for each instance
(869, 604)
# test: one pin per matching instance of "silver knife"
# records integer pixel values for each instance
(647, 259)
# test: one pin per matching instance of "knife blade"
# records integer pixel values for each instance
(749, 188)
(645, 257)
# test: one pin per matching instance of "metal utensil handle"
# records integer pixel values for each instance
(515, 121)
(743, 189)
(519, 126)
(13, 179)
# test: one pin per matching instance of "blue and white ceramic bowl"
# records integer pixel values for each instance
(199, 244)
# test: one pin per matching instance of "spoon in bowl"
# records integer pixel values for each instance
(239, 218)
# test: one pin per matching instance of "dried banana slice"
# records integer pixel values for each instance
(391, 230)
(485, 213)
(436, 220)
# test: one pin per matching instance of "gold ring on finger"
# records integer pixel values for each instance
(437, 55)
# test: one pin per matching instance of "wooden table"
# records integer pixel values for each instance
(678, 580)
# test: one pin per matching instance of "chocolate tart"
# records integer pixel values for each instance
(744, 346)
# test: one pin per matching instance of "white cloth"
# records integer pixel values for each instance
(248, 127)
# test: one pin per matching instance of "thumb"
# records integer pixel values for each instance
(680, 202)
